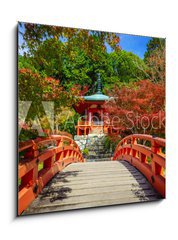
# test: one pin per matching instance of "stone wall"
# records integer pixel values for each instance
(95, 145)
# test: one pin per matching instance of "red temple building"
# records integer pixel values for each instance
(94, 117)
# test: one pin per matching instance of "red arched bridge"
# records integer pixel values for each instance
(54, 176)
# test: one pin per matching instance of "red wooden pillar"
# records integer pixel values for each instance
(78, 131)
(156, 169)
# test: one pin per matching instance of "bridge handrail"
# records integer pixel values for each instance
(62, 152)
(146, 153)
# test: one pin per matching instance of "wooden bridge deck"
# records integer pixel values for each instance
(92, 184)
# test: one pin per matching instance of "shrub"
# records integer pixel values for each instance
(85, 151)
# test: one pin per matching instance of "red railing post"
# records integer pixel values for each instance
(156, 169)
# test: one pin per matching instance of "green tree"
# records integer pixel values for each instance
(153, 45)
(89, 41)
(76, 69)
(123, 68)
(25, 62)
(48, 58)
(69, 54)
(155, 59)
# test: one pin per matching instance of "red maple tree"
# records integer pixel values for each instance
(138, 109)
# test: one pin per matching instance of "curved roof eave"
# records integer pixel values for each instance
(96, 97)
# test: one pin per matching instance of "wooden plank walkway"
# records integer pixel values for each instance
(93, 184)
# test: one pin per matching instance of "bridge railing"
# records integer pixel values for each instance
(147, 154)
(39, 161)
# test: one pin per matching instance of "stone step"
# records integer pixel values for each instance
(99, 156)
(99, 152)
(95, 148)
(98, 159)
(94, 145)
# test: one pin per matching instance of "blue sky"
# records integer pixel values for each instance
(135, 44)
(20, 39)
(130, 43)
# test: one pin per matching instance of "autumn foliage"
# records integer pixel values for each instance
(139, 108)
(61, 64)
(35, 87)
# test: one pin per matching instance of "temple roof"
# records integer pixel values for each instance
(98, 96)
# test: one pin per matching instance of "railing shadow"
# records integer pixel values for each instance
(57, 193)
(145, 192)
